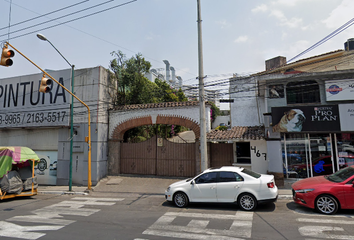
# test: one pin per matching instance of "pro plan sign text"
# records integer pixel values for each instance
(22, 105)
(324, 114)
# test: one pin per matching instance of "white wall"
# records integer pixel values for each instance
(220, 119)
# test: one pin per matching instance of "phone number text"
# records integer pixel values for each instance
(32, 118)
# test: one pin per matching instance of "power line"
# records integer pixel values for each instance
(25, 21)
(325, 39)
(75, 19)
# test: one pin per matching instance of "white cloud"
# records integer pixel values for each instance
(241, 39)
(284, 21)
(260, 8)
(223, 24)
(296, 48)
(340, 15)
(151, 36)
(289, 3)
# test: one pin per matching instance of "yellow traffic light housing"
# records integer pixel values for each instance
(44, 88)
(6, 56)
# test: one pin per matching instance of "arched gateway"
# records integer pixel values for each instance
(155, 156)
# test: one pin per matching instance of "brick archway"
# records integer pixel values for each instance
(118, 133)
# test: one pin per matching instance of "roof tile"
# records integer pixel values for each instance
(237, 133)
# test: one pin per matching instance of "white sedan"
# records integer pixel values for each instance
(225, 185)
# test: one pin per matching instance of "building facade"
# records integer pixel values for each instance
(307, 109)
(41, 121)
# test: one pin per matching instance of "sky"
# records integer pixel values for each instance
(237, 35)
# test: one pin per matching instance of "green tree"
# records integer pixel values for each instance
(131, 87)
(128, 81)
(181, 96)
(214, 112)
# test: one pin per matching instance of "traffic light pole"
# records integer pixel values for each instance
(87, 139)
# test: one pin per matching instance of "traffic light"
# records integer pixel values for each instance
(44, 88)
(6, 56)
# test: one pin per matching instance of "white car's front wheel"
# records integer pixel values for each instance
(247, 202)
(180, 199)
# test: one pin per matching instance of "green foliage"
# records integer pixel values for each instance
(181, 96)
(215, 111)
(221, 128)
(131, 87)
(127, 79)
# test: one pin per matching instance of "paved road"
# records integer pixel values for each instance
(138, 216)
(134, 208)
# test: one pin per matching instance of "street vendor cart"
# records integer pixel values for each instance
(17, 178)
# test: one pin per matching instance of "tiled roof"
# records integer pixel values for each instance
(237, 133)
(158, 105)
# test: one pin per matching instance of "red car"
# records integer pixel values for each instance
(326, 194)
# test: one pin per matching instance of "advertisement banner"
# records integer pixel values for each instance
(340, 90)
(346, 116)
(307, 119)
(22, 105)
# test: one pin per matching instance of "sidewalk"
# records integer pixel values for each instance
(136, 184)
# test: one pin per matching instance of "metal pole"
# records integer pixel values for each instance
(88, 138)
(71, 129)
(42, 37)
(203, 144)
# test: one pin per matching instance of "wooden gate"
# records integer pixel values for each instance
(221, 154)
(162, 159)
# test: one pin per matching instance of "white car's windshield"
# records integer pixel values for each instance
(341, 175)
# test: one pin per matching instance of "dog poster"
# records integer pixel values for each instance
(323, 118)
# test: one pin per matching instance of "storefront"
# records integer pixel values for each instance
(316, 140)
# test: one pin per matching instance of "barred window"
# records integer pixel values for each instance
(303, 92)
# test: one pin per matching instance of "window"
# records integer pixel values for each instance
(251, 173)
(276, 91)
(209, 177)
(230, 177)
(243, 152)
(303, 92)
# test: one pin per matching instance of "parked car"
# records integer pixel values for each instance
(225, 185)
(326, 194)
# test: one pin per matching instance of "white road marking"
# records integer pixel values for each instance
(309, 212)
(25, 232)
(52, 215)
(198, 223)
(324, 232)
(196, 228)
(188, 235)
(243, 216)
(316, 220)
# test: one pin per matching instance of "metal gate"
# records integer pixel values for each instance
(221, 154)
(158, 156)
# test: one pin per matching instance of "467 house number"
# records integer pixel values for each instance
(258, 154)
(30, 118)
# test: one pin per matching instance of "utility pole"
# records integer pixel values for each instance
(203, 143)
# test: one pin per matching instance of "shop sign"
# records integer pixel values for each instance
(346, 116)
(22, 105)
(322, 118)
(340, 90)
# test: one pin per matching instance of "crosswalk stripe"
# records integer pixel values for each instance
(197, 226)
(244, 216)
(314, 220)
(188, 235)
(198, 223)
